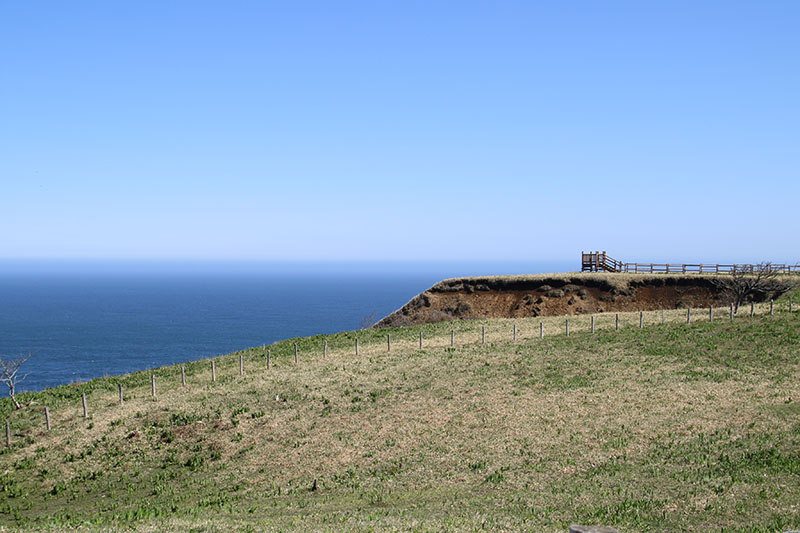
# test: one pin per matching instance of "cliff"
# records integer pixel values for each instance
(556, 294)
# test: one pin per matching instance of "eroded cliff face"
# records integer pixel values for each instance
(556, 294)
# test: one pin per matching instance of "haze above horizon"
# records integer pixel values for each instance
(413, 131)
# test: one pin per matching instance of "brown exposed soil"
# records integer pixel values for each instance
(556, 294)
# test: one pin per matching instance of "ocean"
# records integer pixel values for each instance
(87, 320)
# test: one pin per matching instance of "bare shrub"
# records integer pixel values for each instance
(9, 374)
(747, 282)
(369, 320)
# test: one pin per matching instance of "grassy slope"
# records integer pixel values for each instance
(669, 426)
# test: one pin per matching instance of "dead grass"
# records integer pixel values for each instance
(637, 428)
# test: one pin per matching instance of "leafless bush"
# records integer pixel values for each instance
(747, 282)
(369, 320)
(9, 374)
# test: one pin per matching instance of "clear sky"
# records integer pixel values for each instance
(404, 130)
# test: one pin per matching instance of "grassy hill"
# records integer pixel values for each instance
(669, 427)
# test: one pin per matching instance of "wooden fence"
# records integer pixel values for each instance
(601, 262)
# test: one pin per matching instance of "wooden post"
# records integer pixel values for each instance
(452, 338)
(119, 385)
(731, 311)
(688, 315)
(568, 327)
(85, 409)
(47, 417)
(152, 385)
(770, 308)
(662, 317)
(641, 319)
(356, 346)
(592, 324)
(325, 349)
(541, 330)
(213, 371)
(183, 375)
(710, 313)
(420, 340)
(295, 353)
(616, 322)
(752, 309)
(8, 434)
(269, 358)
(241, 365)
(388, 342)
(515, 333)
(483, 334)
(790, 303)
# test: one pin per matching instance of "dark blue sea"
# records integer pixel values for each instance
(86, 320)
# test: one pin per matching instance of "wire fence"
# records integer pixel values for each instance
(504, 331)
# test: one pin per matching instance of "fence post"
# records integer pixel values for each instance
(515, 332)
(790, 303)
(641, 319)
(388, 342)
(568, 327)
(325, 348)
(688, 315)
(356, 346)
(752, 309)
(241, 364)
(731, 311)
(213, 371)
(8, 434)
(47, 417)
(269, 358)
(662, 317)
(183, 376)
(710, 313)
(119, 385)
(770, 308)
(295, 353)
(483, 334)
(616, 322)
(152, 385)
(452, 338)
(541, 330)
(592, 323)
(85, 409)
(420, 340)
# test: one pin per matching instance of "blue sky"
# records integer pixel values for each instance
(399, 130)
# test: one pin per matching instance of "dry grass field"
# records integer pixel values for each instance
(669, 427)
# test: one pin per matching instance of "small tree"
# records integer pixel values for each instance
(745, 282)
(9, 374)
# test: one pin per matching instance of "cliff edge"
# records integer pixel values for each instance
(557, 294)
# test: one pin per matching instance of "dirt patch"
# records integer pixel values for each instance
(555, 294)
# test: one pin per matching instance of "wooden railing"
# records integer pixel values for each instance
(601, 262)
